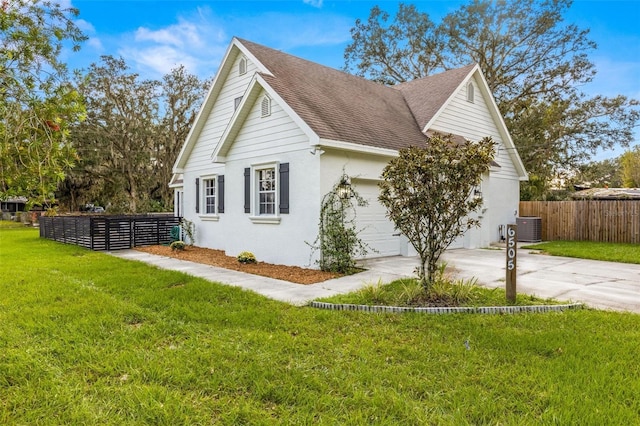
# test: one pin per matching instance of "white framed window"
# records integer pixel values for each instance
(265, 107)
(236, 102)
(242, 66)
(470, 92)
(209, 195)
(209, 192)
(266, 196)
(266, 183)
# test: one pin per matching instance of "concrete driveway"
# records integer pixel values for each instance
(604, 285)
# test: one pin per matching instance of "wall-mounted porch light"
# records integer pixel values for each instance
(344, 188)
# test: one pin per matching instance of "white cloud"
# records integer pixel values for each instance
(64, 4)
(159, 59)
(197, 41)
(314, 3)
(182, 34)
(96, 44)
(85, 26)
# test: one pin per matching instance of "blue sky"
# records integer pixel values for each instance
(154, 36)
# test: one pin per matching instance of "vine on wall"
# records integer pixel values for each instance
(338, 240)
(189, 229)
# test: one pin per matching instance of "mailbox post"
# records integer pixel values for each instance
(512, 251)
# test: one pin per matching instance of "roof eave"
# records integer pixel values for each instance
(354, 147)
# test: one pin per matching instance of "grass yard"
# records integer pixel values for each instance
(405, 292)
(612, 252)
(86, 338)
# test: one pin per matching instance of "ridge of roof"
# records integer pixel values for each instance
(338, 105)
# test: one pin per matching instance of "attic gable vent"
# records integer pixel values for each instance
(470, 92)
(265, 107)
(242, 66)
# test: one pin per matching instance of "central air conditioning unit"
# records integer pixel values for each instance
(529, 229)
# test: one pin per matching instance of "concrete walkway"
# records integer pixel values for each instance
(604, 285)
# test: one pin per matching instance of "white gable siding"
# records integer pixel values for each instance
(274, 139)
(474, 122)
(267, 136)
(501, 191)
(218, 119)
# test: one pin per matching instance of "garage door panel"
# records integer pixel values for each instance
(376, 230)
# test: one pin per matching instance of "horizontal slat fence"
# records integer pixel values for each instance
(614, 221)
(109, 232)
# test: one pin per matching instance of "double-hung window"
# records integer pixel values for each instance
(266, 182)
(209, 196)
(210, 190)
(266, 192)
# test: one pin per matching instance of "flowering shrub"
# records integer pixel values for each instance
(247, 257)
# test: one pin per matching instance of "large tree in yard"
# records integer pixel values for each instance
(132, 136)
(37, 104)
(535, 64)
(181, 94)
(428, 192)
(116, 141)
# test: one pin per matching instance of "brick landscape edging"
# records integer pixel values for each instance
(448, 310)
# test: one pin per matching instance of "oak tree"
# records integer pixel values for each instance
(535, 65)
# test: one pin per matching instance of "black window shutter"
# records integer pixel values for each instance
(221, 194)
(284, 188)
(197, 195)
(247, 190)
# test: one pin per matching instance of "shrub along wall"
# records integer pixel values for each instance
(614, 221)
(109, 232)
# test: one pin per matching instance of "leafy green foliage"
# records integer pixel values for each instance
(428, 192)
(132, 136)
(338, 240)
(630, 168)
(178, 245)
(37, 105)
(446, 291)
(247, 257)
(107, 341)
(597, 174)
(534, 63)
(189, 228)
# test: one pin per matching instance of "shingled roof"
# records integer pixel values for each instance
(437, 89)
(342, 107)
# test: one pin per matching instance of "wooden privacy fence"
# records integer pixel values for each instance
(614, 221)
(109, 232)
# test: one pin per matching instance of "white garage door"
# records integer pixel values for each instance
(379, 232)
(376, 230)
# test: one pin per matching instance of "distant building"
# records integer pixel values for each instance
(13, 204)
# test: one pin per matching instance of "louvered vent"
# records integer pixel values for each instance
(266, 106)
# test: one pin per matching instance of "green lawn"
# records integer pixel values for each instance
(90, 339)
(613, 252)
(461, 293)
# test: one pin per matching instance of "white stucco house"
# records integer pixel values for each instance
(276, 132)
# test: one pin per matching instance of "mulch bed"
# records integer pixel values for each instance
(212, 257)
